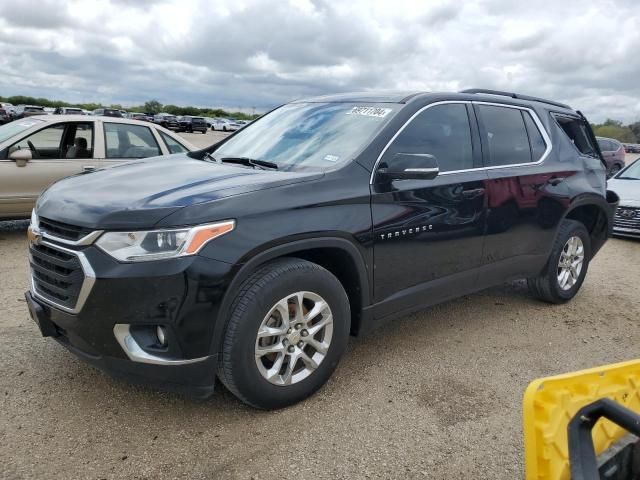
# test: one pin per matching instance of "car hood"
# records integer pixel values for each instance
(141, 193)
(627, 190)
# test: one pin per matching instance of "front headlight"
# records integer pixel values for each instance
(159, 244)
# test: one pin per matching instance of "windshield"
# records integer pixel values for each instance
(309, 135)
(631, 173)
(10, 129)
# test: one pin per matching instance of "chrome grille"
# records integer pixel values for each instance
(627, 217)
(60, 276)
(62, 230)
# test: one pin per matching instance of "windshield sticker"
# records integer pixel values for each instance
(331, 158)
(369, 111)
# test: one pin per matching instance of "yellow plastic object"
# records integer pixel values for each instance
(550, 403)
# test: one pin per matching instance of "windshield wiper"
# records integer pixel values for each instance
(211, 158)
(627, 178)
(250, 162)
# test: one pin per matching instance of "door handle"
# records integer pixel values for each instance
(553, 181)
(473, 193)
(88, 168)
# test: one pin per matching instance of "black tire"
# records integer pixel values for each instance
(546, 286)
(272, 282)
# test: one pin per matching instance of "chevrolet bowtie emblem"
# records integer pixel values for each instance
(34, 235)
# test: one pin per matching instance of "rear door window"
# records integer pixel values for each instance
(129, 141)
(505, 136)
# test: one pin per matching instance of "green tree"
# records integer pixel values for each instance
(152, 106)
(620, 133)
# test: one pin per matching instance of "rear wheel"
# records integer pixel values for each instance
(288, 328)
(567, 266)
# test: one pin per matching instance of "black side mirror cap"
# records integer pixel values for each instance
(410, 166)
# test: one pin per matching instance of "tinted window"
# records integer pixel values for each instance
(576, 130)
(505, 135)
(129, 141)
(442, 131)
(172, 145)
(538, 146)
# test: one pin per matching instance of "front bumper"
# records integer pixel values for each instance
(113, 328)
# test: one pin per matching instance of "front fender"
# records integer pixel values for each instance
(252, 261)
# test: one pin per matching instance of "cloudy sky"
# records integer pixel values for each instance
(246, 53)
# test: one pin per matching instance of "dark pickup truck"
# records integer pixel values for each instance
(257, 257)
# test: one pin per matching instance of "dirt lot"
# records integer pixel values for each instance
(434, 395)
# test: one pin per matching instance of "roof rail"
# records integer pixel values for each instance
(515, 95)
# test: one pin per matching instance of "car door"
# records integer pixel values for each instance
(526, 196)
(125, 142)
(428, 234)
(52, 159)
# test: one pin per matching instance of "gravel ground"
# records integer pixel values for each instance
(436, 394)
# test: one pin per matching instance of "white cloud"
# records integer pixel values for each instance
(250, 52)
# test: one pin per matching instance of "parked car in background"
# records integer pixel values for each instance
(613, 153)
(39, 150)
(191, 124)
(107, 112)
(256, 259)
(626, 184)
(166, 120)
(632, 147)
(23, 111)
(139, 116)
(68, 111)
(225, 125)
(4, 116)
(8, 108)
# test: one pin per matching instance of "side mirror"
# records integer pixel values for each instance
(410, 166)
(21, 157)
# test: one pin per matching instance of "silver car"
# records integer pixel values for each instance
(626, 184)
(37, 151)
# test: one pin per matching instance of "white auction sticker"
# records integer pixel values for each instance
(369, 111)
(331, 158)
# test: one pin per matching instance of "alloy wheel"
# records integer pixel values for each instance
(570, 263)
(294, 338)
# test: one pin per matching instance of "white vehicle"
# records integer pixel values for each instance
(68, 111)
(39, 150)
(626, 184)
(225, 125)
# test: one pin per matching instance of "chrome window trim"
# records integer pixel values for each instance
(136, 354)
(534, 116)
(87, 283)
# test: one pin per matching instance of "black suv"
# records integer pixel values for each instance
(257, 257)
(167, 121)
(192, 124)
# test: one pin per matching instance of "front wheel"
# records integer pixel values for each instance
(567, 266)
(288, 328)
